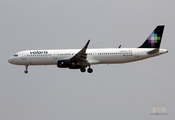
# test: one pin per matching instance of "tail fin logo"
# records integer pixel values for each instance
(153, 38)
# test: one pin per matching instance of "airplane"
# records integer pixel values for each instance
(84, 58)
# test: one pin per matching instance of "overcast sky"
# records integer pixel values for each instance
(111, 92)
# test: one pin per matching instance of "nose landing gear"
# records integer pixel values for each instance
(26, 70)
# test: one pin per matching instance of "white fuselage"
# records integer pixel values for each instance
(94, 56)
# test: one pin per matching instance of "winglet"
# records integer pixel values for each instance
(87, 44)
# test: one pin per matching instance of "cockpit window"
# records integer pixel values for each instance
(16, 55)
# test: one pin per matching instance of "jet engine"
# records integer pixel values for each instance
(67, 64)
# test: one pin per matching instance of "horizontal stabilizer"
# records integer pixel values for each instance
(153, 51)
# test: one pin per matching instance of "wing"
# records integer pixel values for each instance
(80, 57)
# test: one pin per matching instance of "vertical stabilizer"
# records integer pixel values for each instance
(154, 40)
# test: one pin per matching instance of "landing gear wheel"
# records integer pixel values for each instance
(90, 70)
(25, 71)
(83, 69)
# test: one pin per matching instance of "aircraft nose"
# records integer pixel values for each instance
(10, 60)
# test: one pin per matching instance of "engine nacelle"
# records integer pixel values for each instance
(64, 63)
(67, 63)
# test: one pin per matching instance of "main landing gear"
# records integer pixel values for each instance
(89, 70)
(26, 70)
